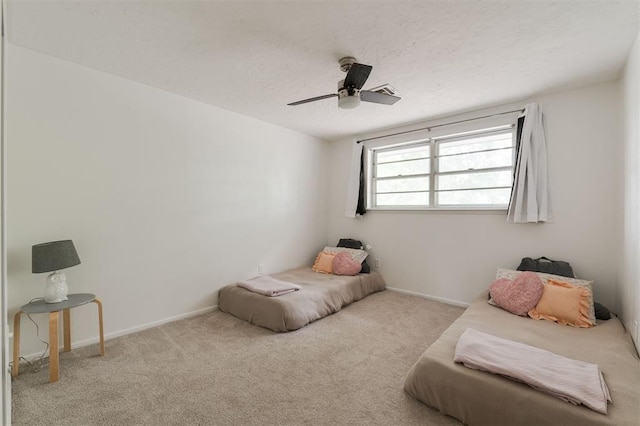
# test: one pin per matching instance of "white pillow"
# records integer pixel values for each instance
(357, 255)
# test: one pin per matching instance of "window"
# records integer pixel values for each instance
(471, 170)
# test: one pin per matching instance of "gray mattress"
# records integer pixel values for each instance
(320, 295)
(481, 398)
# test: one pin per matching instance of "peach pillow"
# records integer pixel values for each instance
(519, 295)
(343, 264)
(563, 303)
(323, 263)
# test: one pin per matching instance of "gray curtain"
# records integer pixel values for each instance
(530, 196)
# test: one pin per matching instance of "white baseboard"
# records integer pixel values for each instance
(94, 340)
(426, 296)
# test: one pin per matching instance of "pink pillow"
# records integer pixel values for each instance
(343, 264)
(519, 295)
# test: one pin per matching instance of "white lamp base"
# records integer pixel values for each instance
(56, 289)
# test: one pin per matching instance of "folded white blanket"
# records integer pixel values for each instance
(268, 286)
(571, 380)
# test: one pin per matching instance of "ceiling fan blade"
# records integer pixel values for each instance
(357, 76)
(378, 98)
(317, 98)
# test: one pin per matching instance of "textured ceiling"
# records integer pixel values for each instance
(254, 57)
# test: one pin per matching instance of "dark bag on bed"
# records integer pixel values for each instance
(548, 266)
(350, 243)
(355, 244)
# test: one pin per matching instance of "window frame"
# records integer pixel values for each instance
(434, 139)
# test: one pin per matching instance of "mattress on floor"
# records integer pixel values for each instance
(320, 295)
(481, 398)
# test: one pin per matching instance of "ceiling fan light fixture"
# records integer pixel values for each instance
(350, 91)
(349, 102)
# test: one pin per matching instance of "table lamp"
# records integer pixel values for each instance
(52, 257)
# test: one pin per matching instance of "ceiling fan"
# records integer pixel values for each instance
(350, 91)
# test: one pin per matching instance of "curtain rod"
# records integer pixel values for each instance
(440, 125)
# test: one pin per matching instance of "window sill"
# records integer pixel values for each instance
(483, 211)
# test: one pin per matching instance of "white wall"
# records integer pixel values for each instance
(454, 256)
(165, 198)
(5, 379)
(629, 288)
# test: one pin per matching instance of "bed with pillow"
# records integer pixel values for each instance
(481, 398)
(334, 281)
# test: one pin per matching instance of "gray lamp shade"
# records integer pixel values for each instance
(53, 256)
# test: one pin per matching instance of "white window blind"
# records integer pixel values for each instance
(470, 170)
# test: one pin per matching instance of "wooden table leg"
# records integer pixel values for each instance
(54, 360)
(66, 324)
(16, 344)
(99, 303)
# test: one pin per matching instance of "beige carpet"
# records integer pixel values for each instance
(215, 369)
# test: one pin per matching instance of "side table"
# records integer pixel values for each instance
(53, 309)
